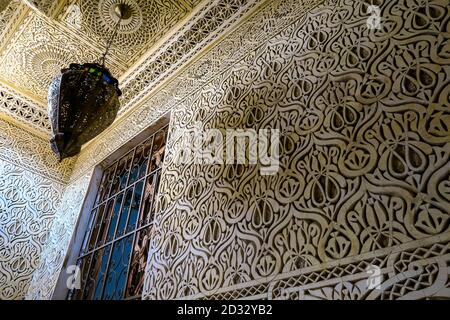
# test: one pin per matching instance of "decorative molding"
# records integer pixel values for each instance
(415, 270)
(202, 29)
(24, 112)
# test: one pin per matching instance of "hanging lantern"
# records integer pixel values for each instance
(83, 101)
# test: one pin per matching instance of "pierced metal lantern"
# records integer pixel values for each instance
(84, 99)
(82, 102)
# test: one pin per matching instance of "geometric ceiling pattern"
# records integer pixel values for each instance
(40, 37)
(148, 22)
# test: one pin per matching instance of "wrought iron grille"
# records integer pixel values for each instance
(115, 247)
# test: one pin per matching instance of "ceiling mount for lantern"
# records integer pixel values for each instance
(123, 11)
(84, 100)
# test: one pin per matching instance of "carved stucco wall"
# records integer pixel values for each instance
(365, 174)
(46, 275)
(365, 169)
(31, 185)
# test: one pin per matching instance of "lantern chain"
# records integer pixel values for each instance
(110, 42)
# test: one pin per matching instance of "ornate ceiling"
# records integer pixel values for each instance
(38, 38)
